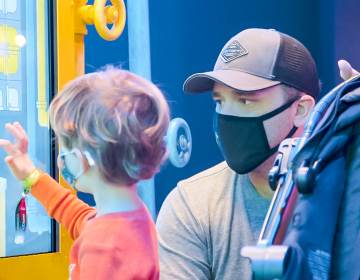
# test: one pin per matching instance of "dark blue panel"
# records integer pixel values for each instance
(186, 37)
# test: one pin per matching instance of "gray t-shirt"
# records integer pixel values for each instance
(205, 221)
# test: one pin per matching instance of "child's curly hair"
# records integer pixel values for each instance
(117, 116)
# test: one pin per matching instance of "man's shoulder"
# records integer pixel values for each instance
(194, 197)
(215, 175)
(197, 191)
(203, 184)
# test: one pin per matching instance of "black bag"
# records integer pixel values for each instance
(312, 228)
(326, 222)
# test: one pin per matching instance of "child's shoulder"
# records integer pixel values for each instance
(120, 225)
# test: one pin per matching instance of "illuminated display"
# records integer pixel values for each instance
(23, 88)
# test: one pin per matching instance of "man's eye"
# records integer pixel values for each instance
(246, 101)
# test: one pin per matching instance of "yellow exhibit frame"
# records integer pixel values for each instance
(69, 55)
(71, 19)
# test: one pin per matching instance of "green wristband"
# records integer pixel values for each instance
(31, 180)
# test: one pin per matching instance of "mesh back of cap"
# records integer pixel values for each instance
(295, 66)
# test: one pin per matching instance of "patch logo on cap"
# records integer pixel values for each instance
(233, 51)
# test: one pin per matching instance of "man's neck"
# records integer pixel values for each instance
(259, 178)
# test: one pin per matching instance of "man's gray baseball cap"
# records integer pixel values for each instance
(256, 59)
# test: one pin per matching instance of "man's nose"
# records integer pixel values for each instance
(229, 108)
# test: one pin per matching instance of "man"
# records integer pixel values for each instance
(265, 84)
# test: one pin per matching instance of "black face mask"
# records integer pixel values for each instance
(243, 141)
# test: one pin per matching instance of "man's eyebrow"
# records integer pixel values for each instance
(216, 94)
(248, 94)
(240, 94)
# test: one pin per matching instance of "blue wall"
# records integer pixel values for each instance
(346, 31)
(186, 37)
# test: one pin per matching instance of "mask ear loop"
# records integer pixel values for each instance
(80, 157)
(86, 159)
(294, 128)
(279, 110)
(90, 162)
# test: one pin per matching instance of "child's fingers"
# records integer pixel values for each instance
(4, 142)
(9, 147)
(20, 137)
(24, 143)
(14, 131)
(9, 160)
(11, 163)
(20, 128)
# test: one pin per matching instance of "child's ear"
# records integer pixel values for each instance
(305, 105)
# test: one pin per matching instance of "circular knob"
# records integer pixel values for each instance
(103, 15)
(305, 177)
(179, 142)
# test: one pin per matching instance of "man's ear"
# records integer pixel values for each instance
(304, 107)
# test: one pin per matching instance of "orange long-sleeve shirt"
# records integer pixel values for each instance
(120, 245)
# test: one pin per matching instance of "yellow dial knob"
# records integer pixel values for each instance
(104, 15)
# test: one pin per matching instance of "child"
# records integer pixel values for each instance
(111, 127)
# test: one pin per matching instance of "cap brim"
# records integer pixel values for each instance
(236, 80)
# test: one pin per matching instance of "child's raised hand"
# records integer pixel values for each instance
(17, 159)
